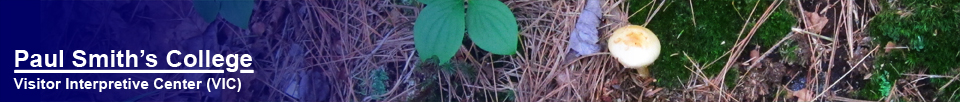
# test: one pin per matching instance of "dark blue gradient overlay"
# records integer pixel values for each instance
(46, 26)
(22, 28)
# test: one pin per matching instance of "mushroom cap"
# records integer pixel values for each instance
(634, 46)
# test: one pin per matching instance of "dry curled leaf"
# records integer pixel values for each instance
(584, 38)
(815, 22)
(803, 95)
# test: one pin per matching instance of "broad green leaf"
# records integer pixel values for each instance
(439, 30)
(237, 12)
(207, 9)
(492, 26)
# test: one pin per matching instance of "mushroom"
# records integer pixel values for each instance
(891, 45)
(634, 47)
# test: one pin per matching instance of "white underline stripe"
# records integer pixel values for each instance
(122, 71)
(246, 71)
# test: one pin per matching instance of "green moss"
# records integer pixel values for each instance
(789, 52)
(731, 78)
(378, 86)
(930, 29)
(717, 24)
(878, 88)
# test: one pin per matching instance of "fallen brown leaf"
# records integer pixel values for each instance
(803, 95)
(651, 92)
(815, 22)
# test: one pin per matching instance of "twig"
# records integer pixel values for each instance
(554, 92)
(750, 68)
(892, 90)
(848, 10)
(699, 71)
(654, 14)
(844, 99)
(641, 9)
(802, 15)
(740, 44)
(948, 83)
(693, 14)
(930, 76)
(715, 60)
(954, 93)
(588, 55)
(828, 7)
(811, 33)
(770, 50)
(848, 71)
(406, 76)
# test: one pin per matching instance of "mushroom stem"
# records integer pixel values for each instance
(643, 72)
(899, 47)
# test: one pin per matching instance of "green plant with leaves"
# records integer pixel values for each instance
(441, 25)
(237, 12)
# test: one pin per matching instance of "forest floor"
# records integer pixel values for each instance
(715, 50)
